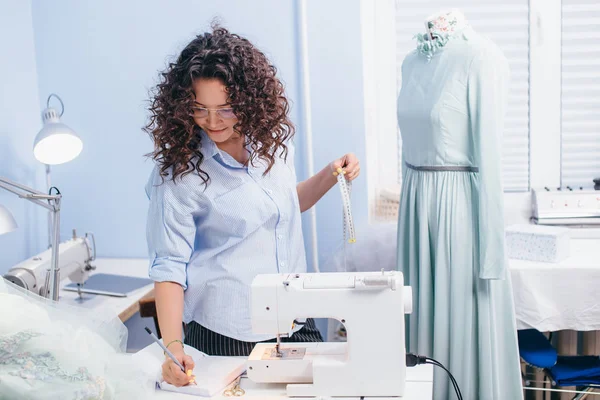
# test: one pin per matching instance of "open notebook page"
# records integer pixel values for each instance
(213, 374)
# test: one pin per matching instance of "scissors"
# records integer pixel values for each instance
(235, 390)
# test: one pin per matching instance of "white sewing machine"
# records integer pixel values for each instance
(566, 206)
(370, 304)
(74, 257)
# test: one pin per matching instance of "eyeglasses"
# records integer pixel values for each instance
(201, 112)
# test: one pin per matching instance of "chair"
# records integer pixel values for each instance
(148, 309)
(536, 350)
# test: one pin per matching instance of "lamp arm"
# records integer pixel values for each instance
(28, 193)
(53, 205)
(53, 275)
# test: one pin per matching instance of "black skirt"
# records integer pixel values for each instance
(214, 344)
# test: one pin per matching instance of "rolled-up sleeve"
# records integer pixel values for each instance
(170, 232)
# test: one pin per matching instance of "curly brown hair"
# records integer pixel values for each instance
(254, 92)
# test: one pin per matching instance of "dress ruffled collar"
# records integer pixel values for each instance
(429, 48)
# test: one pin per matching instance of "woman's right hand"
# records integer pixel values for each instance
(173, 374)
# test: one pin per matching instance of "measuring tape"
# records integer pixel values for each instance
(345, 190)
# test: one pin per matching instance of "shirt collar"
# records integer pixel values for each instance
(210, 150)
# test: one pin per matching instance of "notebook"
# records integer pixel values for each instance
(213, 374)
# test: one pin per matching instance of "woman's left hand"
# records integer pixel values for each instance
(349, 165)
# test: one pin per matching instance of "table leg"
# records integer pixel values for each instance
(591, 346)
(538, 377)
(566, 345)
(591, 343)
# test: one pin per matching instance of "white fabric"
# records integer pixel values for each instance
(52, 351)
(374, 249)
(565, 295)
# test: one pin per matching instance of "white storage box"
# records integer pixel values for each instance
(538, 243)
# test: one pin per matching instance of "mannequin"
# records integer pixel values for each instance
(451, 218)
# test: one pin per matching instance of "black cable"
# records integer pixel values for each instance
(452, 379)
(413, 359)
(436, 363)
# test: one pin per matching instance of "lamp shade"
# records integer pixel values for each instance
(56, 143)
(7, 222)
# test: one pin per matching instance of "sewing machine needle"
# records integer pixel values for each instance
(277, 352)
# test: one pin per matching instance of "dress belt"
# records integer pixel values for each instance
(460, 168)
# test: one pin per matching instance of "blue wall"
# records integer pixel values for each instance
(19, 123)
(102, 57)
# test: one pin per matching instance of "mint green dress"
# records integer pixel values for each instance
(451, 223)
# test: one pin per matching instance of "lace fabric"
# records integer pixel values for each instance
(53, 351)
(44, 367)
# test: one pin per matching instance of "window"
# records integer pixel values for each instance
(580, 87)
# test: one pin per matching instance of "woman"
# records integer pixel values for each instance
(224, 203)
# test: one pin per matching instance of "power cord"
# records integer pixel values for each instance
(413, 359)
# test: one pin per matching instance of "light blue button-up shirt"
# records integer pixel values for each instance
(213, 240)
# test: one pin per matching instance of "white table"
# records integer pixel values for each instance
(559, 296)
(124, 307)
(419, 386)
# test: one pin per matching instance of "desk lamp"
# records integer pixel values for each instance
(56, 143)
